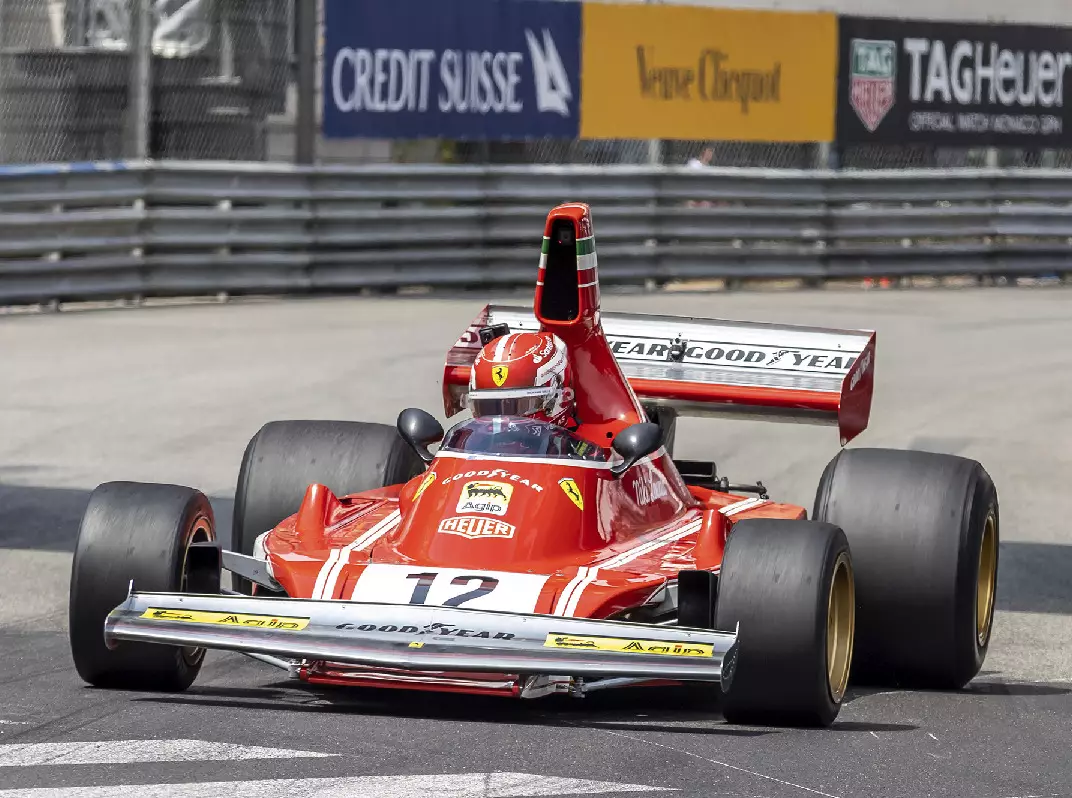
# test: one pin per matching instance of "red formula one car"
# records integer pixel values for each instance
(525, 557)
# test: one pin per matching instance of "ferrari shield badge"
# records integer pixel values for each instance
(872, 80)
(428, 480)
(569, 487)
(498, 374)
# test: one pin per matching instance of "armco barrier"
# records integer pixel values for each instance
(78, 232)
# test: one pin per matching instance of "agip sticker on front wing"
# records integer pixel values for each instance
(672, 648)
(227, 619)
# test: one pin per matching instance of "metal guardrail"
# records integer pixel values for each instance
(113, 230)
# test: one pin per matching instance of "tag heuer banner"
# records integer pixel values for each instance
(953, 84)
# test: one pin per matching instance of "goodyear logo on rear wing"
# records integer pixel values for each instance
(725, 353)
(672, 648)
(227, 619)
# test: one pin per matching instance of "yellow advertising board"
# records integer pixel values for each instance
(686, 72)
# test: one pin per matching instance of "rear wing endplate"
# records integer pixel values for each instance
(711, 367)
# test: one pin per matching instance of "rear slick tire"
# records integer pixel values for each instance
(790, 586)
(140, 533)
(285, 457)
(924, 530)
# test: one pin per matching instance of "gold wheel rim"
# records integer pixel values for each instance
(986, 582)
(840, 627)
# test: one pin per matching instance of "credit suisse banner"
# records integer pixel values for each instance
(686, 72)
(457, 69)
(954, 84)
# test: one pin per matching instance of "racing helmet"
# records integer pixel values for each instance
(523, 374)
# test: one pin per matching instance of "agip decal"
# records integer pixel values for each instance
(227, 619)
(623, 645)
(485, 497)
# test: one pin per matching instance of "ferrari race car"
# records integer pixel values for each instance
(591, 559)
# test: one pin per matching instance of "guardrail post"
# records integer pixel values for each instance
(140, 51)
(305, 19)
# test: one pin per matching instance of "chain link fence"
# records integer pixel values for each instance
(220, 71)
(221, 85)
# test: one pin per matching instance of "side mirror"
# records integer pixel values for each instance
(634, 443)
(419, 429)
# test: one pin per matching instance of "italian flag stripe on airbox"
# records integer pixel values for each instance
(586, 253)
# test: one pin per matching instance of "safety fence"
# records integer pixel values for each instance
(114, 230)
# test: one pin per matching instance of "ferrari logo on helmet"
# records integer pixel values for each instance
(498, 374)
(569, 487)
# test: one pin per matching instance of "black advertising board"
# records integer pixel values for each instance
(905, 82)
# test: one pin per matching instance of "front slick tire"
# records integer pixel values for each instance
(139, 532)
(789, 584)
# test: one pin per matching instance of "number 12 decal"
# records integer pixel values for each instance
(425, 581)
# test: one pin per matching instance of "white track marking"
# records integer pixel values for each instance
(702, 759)
(456, 785)
(121, 752)
(324, 587)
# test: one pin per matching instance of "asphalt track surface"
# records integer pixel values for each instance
(172, 394)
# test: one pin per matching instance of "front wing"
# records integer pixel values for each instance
(423, 638)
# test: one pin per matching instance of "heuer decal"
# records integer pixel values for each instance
(227, 619)
(428, 480)
(649, 486)
(499, 375)
(485, 497)
(671, 648)
(569, 487)
(495, 473)
(473, 526)
(872, 80)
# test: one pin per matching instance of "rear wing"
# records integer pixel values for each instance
(710, 367)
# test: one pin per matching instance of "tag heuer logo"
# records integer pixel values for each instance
(873, 80)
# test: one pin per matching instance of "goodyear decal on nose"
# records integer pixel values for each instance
(485, 497)
(569, 487)
(227, 619)
(671, 648)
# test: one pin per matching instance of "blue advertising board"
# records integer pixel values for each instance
(455, 69)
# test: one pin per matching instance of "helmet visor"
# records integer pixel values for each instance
(511, 402)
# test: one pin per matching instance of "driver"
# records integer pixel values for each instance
(523, 374)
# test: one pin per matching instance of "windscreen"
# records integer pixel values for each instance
(519, 437)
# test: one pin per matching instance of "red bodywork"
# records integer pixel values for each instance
(594, 547)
